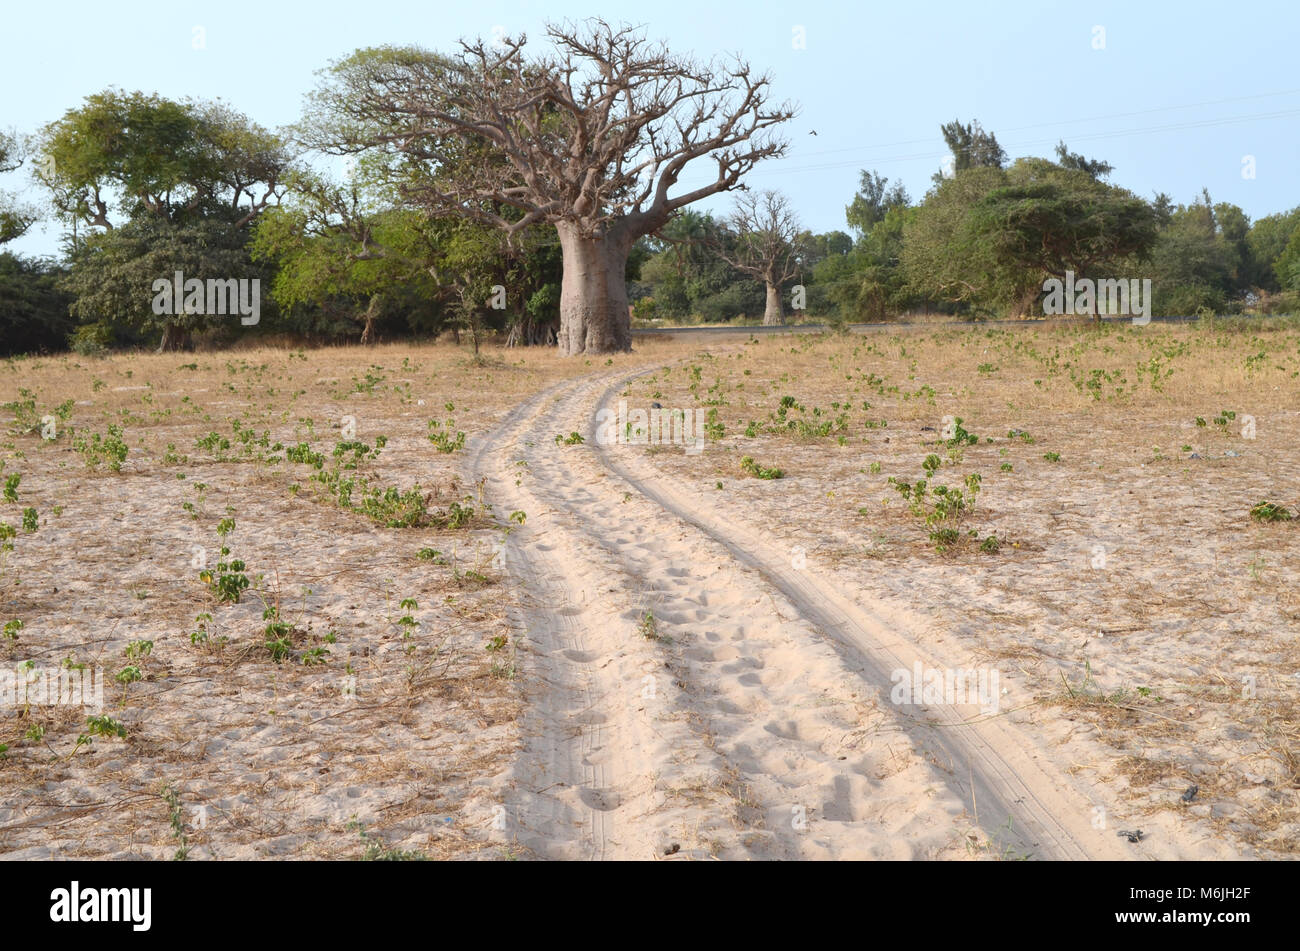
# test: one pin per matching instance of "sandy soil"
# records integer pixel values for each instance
(636, 651)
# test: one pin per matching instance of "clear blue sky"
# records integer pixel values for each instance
(1180, 93)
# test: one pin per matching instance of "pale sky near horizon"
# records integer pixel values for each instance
(1178, 97)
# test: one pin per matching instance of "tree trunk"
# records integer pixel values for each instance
(773, 313)
(594, 314)
(1023, 309)
(174, 338)
(368, 320)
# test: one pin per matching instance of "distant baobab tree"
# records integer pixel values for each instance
(767, 245)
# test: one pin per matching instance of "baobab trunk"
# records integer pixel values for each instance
(773, 313)
(593, 293)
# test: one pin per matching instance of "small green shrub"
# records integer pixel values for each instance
(1271, 512)
(747, 464)
(99, 450)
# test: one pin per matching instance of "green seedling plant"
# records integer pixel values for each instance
(26, 419)
(30, 522)
(351, 453)
(495, 648)
(228, 581)
(303, 454)
(202, 634)
(444, 436)
(941, 507)
(955, 435)
(1225, 416)
(195, 508)
(713, 427)
(390, 507)
(315, 656)
(376, 851)
(458, 515)
(177, 819)
(407, 623)
(101, 726)
(277, 633)
(648, 627)
(24, 671)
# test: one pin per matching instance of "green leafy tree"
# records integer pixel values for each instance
(360, 248)
(1267, 240)
(1095, 168)
(873, 201)
(686, 276)
(1287, 265)
(943, 258)
(112, 274)
(15, 217)
(333, 257)
(33, 308)
(135, 155)
(868, 282)
(971, 147)
(1047, 219)
(986, 238)
(167, 172)
(1194, 262)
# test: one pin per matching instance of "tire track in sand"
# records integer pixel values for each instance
(1023, 802)
(595, 754)
(755, 739)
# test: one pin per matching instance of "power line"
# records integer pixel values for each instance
(1043, 125)
(1022, 146)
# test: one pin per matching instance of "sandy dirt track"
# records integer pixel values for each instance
(764, 691)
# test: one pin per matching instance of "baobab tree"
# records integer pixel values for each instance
(592, 138)
(767, 245)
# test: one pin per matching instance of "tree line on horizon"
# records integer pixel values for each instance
(489, 193)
